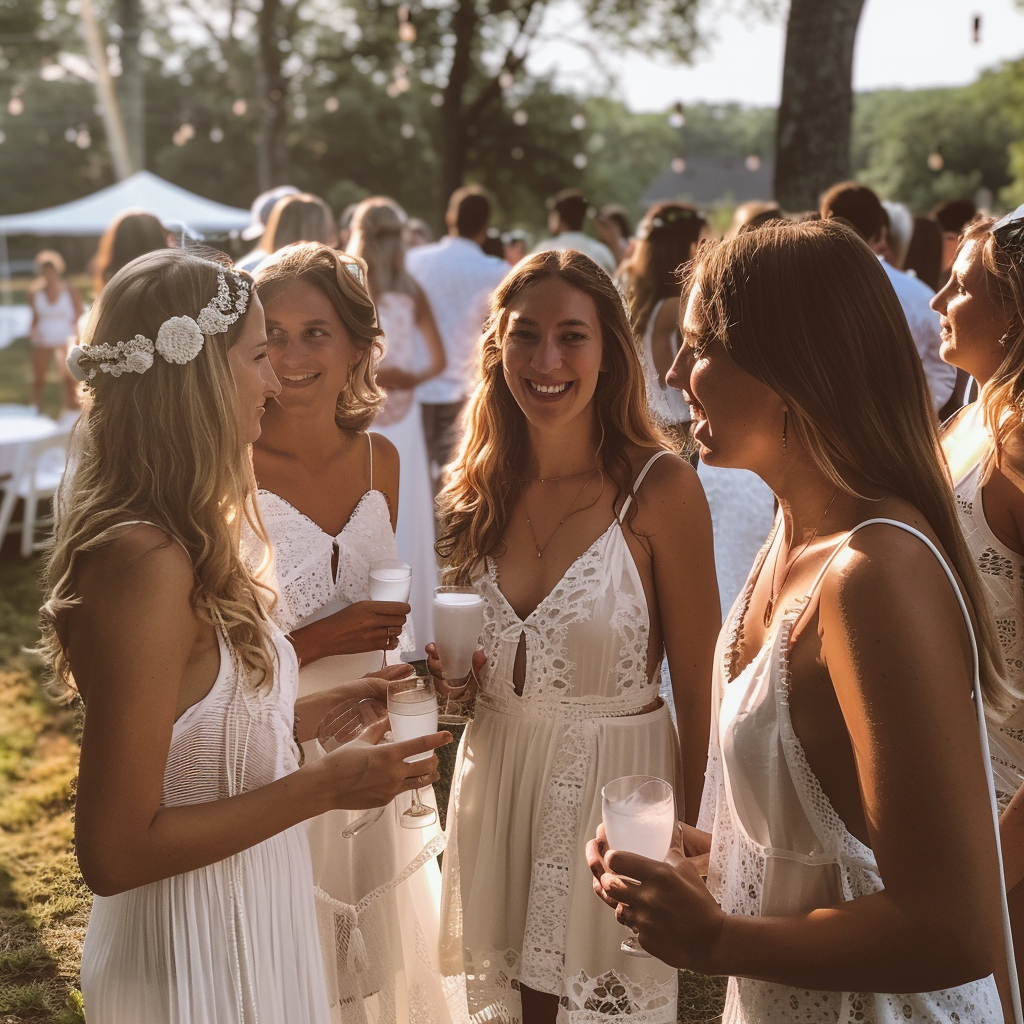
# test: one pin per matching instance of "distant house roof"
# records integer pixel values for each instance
(713, 181)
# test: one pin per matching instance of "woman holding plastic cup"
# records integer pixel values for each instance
(588, 545)
(329, 499)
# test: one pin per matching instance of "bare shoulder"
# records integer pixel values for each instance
(671, 490)
(668, 314)
(1011, 456)
(385, 454)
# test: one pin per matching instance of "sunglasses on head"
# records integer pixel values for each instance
(1010, 230)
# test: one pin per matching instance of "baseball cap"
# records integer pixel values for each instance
(261, 207)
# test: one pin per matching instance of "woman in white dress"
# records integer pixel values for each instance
(329, 498)
(56, 307)
(189, 796)
(414, 354)
(590, 544)
(850, 847)
(983, 334)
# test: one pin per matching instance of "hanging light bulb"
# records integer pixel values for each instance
(239, 107)
(578, 121)
(15, 106)
(678, 165)
(579, 161)
(753, 162)
(935, 161)
(331, 104)
(506, 79)
(406, 29)
(407, 131)
(520, 117)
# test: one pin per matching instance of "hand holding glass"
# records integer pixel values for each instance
(390, 580)
(412, 708)
(344, 723)
(639, 815)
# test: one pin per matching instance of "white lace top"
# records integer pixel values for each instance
(1002, 574)
(780, 848)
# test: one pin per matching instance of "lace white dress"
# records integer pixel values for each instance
(402, 424)
(780, 848)
(378, 892)
(1002, 575)
(518, 907)
(235, 942)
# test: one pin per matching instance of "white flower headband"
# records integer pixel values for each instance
(179, 340)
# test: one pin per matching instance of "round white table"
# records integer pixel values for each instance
(15, 431)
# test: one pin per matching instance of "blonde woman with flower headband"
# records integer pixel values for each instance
(410, 333)
(982, 329)
(189, 792)
(329, 499)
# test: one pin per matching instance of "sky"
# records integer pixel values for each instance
(900, 43)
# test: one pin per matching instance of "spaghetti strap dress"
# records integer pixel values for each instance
(778, 846)
(235, 942)
(377, 892)
(518, 907)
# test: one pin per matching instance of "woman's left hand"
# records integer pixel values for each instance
(666, 903)
(458, 690)
(311, 709)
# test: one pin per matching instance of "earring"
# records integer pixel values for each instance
(785, 427)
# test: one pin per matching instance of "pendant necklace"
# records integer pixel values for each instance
(568, 512)
(769, 608)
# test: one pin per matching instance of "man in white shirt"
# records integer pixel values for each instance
(860, 208)
(457, 278)
(567, 210)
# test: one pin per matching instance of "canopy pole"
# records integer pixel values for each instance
(5, 271)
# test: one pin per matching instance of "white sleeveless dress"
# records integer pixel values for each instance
(518, 904)
(402, 424)
(56, 323)
(378, 892)
(235, 942)
(780, 848)
(1002, 575)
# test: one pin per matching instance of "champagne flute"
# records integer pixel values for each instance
(412, 708)
(344, 723)
(458, 622)
(390, 580)
(639, 815)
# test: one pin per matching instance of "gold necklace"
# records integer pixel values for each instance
(565, 476)
(568, 512)
(769, 608)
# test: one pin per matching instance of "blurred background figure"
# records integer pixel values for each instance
(417, 232)
(567, 211)
(409, 330)
(300, 217)
(863, 211)
(345, 226)
(56, 307)
(898, 234)
(457, 277)
(132, 234)
(260, 211)
(613, 228)
(952, 216)
(753, 214)
(492, 245)
(924, 255)
(517, 244)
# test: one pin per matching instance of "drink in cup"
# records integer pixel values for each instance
(458, 622)
(390, 580)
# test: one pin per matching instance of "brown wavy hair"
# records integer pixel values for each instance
(331, 273)
(480, 493)
(163, 447)
(808, 310)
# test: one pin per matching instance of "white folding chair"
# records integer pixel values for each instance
(36, 476)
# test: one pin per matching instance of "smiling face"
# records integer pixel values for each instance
(251, 371)
(552, 352)
(737, 420)
(971, 321)
(310, 348)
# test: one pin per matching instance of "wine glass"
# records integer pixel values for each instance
(639, 815)
(412, 708)
(458, 622)
(345, 722)
(390, 580)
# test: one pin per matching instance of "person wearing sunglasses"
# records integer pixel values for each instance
(982, 322)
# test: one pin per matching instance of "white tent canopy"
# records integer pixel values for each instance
(92, 215)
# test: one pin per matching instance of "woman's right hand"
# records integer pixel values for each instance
(360, 627)
(367, 773)
(457, 689)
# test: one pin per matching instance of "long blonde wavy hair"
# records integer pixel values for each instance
(333, 274)
(1002, 398)
(480, 494)
(377, 238)
(808, 310)
(164, 447)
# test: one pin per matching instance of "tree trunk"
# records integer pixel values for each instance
(454, 128)
(272, 162)
(812, 147)
(131, 86)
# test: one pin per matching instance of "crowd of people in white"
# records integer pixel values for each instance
(613, 446)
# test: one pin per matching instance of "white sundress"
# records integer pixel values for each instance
(778, 845)
(378, 892)
(235, 942)
(518, 906)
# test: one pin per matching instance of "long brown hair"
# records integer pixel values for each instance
(335, 275)
(376, 237)
(808, 310)
(164, 447)
(132, 234)
(298, 218)
(478, 499)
